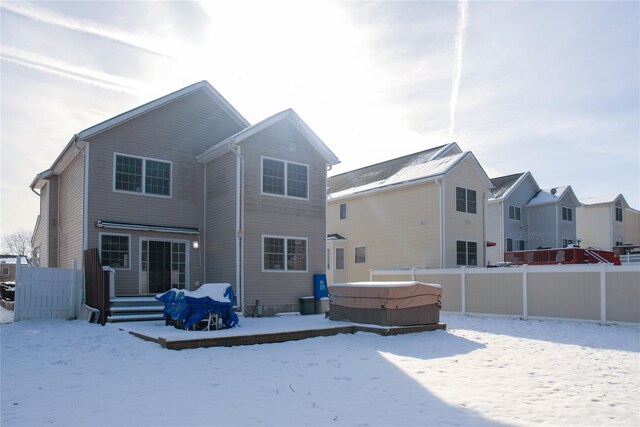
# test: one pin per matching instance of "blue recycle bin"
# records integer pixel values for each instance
(320, 288)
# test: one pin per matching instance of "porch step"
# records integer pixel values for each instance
(133, 317)
(132, 309)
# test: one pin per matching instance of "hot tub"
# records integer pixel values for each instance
(385, 303)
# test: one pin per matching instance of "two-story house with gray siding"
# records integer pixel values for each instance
(182, 191)
(521, 216)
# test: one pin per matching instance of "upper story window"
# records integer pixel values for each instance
(361, 255)
(142, 175)
(285, 178)
(567, 214)
(618, 211)
(465, 200)
(514, 213)
(343, 211)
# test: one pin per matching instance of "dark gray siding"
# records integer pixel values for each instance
(220, 258)
(514, 229)
(176, 132)
(280, 216)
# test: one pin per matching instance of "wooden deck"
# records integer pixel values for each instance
(278, 337)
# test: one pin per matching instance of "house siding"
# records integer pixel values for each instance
(282, 216)
(221, 241)
(543, 223)
(71, 212)
(397, 226)
(176, 132)
(514, 229)
(41, 233)
(53, 215)
(462, 225)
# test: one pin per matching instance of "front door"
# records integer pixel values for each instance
(163, 265)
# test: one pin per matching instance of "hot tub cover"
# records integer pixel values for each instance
(190, 307)
(385, 295)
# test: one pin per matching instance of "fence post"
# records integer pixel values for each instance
(603, 294)
(463, 290)
(74, 290)
(371, 275)
(525, 293)
(413, 274)
(18, 291)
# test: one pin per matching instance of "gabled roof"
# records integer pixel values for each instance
(423, 165)
(503, 186)
(604, 199)
(290, 115)
(149, 106)
(63, 159)
(553, 195)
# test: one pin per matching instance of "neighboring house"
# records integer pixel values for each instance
(423, 209)
(608, 221)
(8, 267)
(521, 216)
(552, 218)
(507, 214)
(182, 191)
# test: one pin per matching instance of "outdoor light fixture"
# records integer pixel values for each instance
(195, 244)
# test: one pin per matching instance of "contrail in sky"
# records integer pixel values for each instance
(463, 11)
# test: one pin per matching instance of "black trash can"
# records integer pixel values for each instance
(307, 305)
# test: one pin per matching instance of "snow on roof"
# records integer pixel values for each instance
(547, 196)
(11, 259)
(411, 168)
(598, 200)
(502, 184)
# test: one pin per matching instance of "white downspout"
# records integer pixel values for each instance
(203, 236)
(440, 183)
(239, 223)
(484, 228)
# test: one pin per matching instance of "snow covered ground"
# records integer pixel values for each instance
(481, 371)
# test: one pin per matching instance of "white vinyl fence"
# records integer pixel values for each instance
(598, 292)
(46, 293)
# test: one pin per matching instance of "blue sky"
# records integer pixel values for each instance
(546, 87)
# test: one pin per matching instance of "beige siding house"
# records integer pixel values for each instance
(607, 221)
(183, 191)
(424, 209)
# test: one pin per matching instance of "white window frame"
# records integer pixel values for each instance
(187, 260)
(286, 179)
(340, 212)
(466, 253)
(100, 235)
(144, 176)
(618, 208)
(286, 269)
(567, 242)
(355, 254)
(337, 264)
(567, 209)
(466, 200)
(517, 213)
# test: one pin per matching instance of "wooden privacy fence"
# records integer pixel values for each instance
(96, 284)
(47, 293)
(600, 292)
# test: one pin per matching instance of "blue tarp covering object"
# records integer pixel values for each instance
(186, 308)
